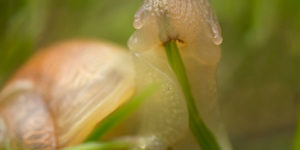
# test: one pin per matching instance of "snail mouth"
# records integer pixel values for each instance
(177, 40)
(180, 41)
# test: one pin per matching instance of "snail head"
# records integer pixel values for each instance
(191, 22)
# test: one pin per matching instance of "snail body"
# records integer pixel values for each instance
(193, 25)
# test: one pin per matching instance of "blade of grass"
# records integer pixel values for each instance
(296, 145)
(203, 135)
(102, 146)
(121, 113)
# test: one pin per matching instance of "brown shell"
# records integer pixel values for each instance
(79, 83)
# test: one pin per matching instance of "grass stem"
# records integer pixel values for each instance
(114, 145)
(296, 145)
(203, 135)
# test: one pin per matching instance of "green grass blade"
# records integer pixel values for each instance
(121, 113)
(296, 145)
(102, 146)
(203, 135)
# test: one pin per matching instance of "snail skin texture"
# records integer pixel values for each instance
(193, 24)
(62, 92)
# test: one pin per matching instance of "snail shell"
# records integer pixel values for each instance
(60, 94)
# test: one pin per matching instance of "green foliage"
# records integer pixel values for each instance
(296, 145)
(258, 76)
(20, 25)
(114, 145)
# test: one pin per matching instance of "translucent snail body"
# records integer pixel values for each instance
(193, 25)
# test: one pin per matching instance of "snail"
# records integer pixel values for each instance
(58, 97)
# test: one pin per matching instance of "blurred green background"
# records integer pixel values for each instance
(258, 76)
